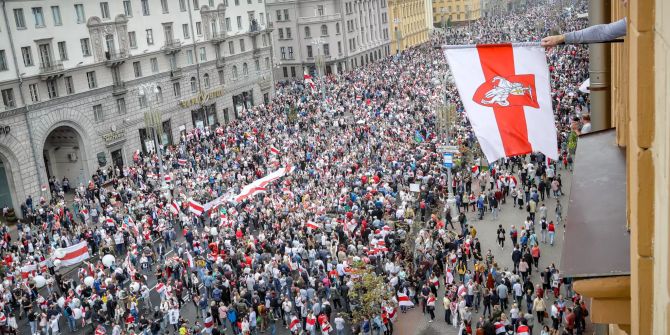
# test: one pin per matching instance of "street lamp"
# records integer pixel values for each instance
(320, 67)
(446, 121)
(443, 10)
(153, 121)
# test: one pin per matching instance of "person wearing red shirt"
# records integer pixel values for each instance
(552, 231)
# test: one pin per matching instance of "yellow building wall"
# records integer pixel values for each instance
(408, 16)
(456, 10)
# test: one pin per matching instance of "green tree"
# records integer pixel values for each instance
(367, 294)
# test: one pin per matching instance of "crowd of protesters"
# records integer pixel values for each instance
(283, 258)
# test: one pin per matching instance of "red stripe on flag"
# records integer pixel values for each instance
(499, 61)
(75, 253)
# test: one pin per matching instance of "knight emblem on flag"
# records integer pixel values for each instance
(516, 90)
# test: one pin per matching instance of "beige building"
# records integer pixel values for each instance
(635, 300)
(408, 18)
(455, 12)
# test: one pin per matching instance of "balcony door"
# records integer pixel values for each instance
(167, 29)
(45, 55)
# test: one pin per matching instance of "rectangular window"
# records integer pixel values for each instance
(127, 8)
(90, 77)
(221, 77)
(293, 71)
(231, 47)
(154, 64)
(182, 5)
(176, 90)
(97, 113)
(85, 47)
(55, 11)
(79, 11)
(339, 47)
(164, 6)
(326, 49)
(27, 55)
(69, 85)
(196, 5)
(62, 50)
(283, 52)
(286, 17)
(8, 98)
(280, 32)
(20, 20)
(267, 62)
(34, 93)
(198, 28)
(290, 52)
(285, 71)
(143, 101)
(104, 10)
(320, 10)
(186, 31)
(3, 61)
(309, 51)
(39, 17)
(278, 15)
(229, 26)
(189, 57)
(52, 88)
(261, 18)
(288, 33)
(150, 37)
(137, 69)
(242, 47)
(239, 23)
(121, 106)
(132, 39)
(203, 54)
(237, 2)
(145, 7)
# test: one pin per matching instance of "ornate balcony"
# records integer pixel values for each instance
(172, 46)
(219, 37)
(119, 88)
(51, 70)
(115, 59)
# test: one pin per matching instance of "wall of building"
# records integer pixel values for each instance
(456, 11)
(408, 19)
(661, 155)
(357, 33)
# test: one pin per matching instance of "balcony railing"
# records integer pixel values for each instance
(320, 18)
(53, 66)
(119, 88)
(172, 45)
(254, 27)
(219, 37)
(115, 58)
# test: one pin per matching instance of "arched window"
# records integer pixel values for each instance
(245, 70)
(194, 86)
(205, 79)
(324, 30)
(235, 72)
(307, 32)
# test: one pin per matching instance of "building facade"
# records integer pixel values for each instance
(455, 12)
(428, 12)
(408, 18)
(343, 34)
(70, 78)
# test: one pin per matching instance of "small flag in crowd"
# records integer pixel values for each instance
(73, 254)
(174, 207)
(195, 207)
(312, 225)
(182, 161)
(274, 151)
(506, 94)
(309, 82)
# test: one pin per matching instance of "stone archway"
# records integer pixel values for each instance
(11, 186)
(65, 120)
(19, 170)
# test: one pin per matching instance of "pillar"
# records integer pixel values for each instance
(599, 63)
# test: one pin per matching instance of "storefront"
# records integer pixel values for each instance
(147, 137)
(204, 116)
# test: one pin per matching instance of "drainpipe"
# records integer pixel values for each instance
(23, 100)
(195, 48)
(599, 70)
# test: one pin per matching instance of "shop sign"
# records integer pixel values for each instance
(4, 130)
(201, 98)
(114, 135)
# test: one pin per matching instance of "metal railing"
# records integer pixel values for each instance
(320, 18)
(172, 44)
(219, 36)
(52, 66)
(116, 55)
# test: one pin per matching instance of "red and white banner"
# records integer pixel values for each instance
(73, 254)
(312, 225)
(274, 151)
(506, 94)
(309, 82)
(195, 207)
(523, 330)
(182, 161)
(294, 326)
(403, 300)
(174, 207)
(500, 328)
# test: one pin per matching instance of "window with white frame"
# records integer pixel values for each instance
(39, 17)
(145, 7)
(245, 70)
(104, 10)
(90, 78)
(27, 55)
(62, 50)
(98, 114)
(205, 80)
(132, 39)
(186, 31)
(137, 69)
(176, 89)
(34, 93)
(79, 12)
(194, 85)
(19, 18)
(154, 64)
(8, 98)
(55, 12)
(127, 8)
(121, 105)
(203, 54)
(150, 37)
(85, 47)
(69, 85)
(52, 88)
(3, 61)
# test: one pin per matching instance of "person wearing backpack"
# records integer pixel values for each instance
(501, 236)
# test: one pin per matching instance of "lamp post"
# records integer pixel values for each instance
(398, 34)
(153, 121)
(446, 121)
(443, 10)
(320, 67)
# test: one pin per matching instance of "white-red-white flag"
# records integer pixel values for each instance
(403, 300)
(309, 82)
(195, 207)
(274, 151)
(506, 94)
(73, 254)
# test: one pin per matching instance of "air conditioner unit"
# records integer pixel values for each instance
(72, 156)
